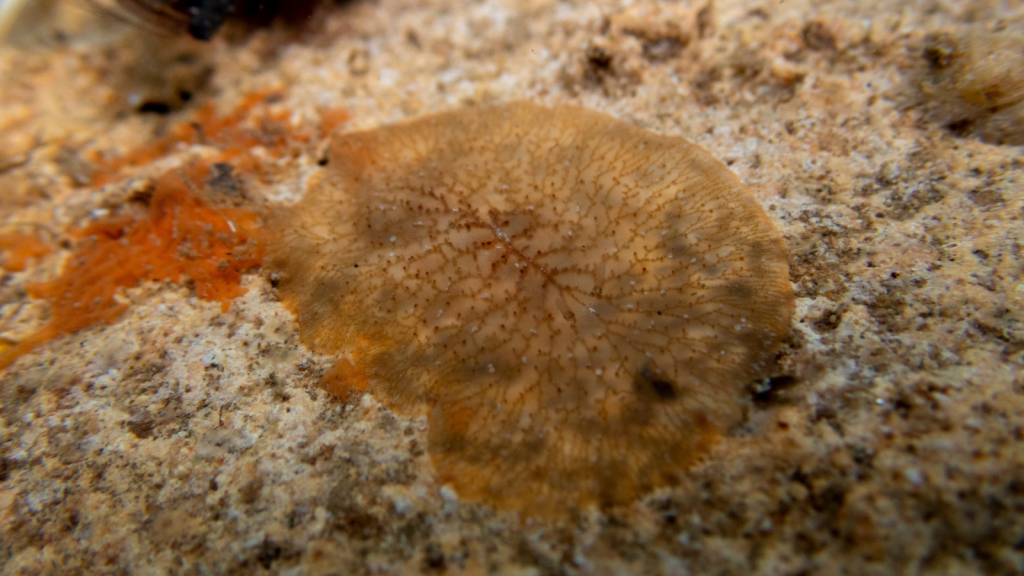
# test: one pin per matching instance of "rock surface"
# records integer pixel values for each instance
(184, 439)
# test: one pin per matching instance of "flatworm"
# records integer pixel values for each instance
(575, 303)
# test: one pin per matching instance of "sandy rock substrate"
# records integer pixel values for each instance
(184, 440)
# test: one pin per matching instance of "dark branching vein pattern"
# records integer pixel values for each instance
(576, 303)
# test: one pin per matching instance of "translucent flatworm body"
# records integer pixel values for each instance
(577, 304)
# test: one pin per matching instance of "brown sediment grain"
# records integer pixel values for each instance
(577, 304)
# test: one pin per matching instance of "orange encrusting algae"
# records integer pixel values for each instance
(234, 134)
(180, 237)
(577, 305)
(19, 248)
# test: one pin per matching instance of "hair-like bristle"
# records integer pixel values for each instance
(169, 16)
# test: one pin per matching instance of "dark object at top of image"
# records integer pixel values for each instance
(203, 18)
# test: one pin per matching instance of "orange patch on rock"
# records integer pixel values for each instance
(20, 248)
(345, 379)
(331, 118)
(180, 237)
(245, 127)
